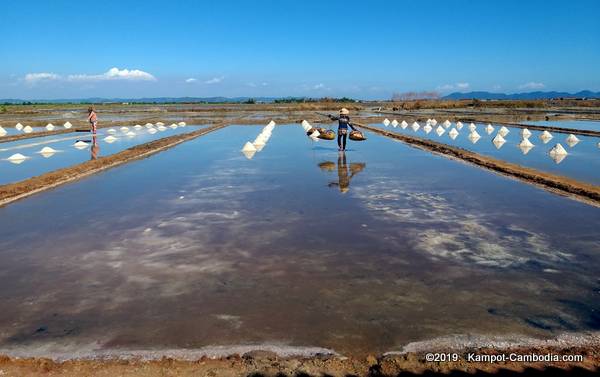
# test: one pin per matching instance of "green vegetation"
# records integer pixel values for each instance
(313, 100)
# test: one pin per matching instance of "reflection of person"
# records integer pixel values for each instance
(95, 150)
(92, 118)
(343, 123)
(345, 172)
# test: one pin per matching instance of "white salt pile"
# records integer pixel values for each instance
(27, 129)
(80, 144)
(159, 124)
(182, 124)
(394, 123)
(271, 124)
(249, 147)
(428, 121)
(124, 129)
(17, 158)
(427, 128)
(19, 126)
(415, 126)
(147, 125)
(440, 130)
(386, 122)
(305, 124)
(525, 149)
(433, 122)
(111, 131)
(50, 127)
(110, 139)
(67, 125)
(558, 149)
(47, 152)
(161, 128)
(2, 131)
(453, 133)
(152, 131)
(572, 140)
(546, 136)
(499, 141)
(249, 154)
(137, 127)
(489, 129)
(447, 123)
(173, 126)
(474, 137)
(525, 143)
(130, 134)
(472, 127)
(503, 131)
(403, 124)
(459, 125)
(525, 133)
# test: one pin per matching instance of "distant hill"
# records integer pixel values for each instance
(521, 96)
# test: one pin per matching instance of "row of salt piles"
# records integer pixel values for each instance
(250, 148)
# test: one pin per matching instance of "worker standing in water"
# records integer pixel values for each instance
(93, 119)
(343, 123)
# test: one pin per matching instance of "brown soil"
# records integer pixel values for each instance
(566, 186)
(22, 189)
(264, 363)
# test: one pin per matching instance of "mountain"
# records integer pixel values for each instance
(521, 96)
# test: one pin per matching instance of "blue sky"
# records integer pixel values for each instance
(362, 49)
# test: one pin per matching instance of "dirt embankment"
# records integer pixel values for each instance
(264, 363)
(22, 189)
(562, 185)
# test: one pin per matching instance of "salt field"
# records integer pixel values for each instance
(70, 149)
(582, 161)
(299, 245)
(593, 125)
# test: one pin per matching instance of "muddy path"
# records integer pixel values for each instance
(19, 190)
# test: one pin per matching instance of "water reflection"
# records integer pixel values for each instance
(95, 149)
(345, 171)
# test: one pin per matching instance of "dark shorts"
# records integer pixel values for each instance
(342, 131)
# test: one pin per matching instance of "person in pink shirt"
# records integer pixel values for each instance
(92, 118)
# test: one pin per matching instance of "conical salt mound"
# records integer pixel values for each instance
(47, 152)
(19, 126)
(428, 121)
(525, 133)
(182, 124)
(403, 124)
(271, 124)
(386, 122)
(415, 126)
(525, 149)
(137, 127)
(459, 126)
(130, 134)
(427, 128)
(80, 144)
(474, 137)
(440, 130)
(558, 150)
(249, 147)
(161, 128)
(159, 124)
(315, 134)
(152, 131)
(50, 127)
(525, 143)
(110, 139)
(124, 129)
(498, 141)
(503, 131)
(557, 158)
(546, 136)
(572, 140)
(2, 131)
(17, 158)
(67, 125)
(433, 122)
(394, 123)
(27, 129)
(305, 124)
(147, 125)
(173, 126)
(489, 129)
(598, 145)
(249, 154)
(472, 127)
(453, 133)
(258, 141)
(111, 131)
(447, 123)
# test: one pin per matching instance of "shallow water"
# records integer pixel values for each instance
(10, 131)
(581, 163)
(574, 124)
(67, 154)
(361, 252)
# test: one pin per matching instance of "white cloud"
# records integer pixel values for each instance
(532, 85)
(456, 86)
(319, 86)
(42, 76)
(254, 85)
(191, 80)
(214, 80)
(115, 74)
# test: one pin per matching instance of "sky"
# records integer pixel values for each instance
(360, 49)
